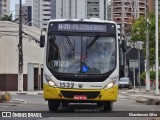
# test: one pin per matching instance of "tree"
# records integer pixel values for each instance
(139, 34)
(8, 18)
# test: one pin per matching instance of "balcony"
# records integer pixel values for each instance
(116, 1)
(118, 20)
(117, 10)
(142, 1)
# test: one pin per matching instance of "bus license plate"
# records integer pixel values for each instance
(80, 97)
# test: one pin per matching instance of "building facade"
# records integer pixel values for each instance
(44, 10)
(4, 7)
(151, 7)
(32, 57)
(81, 9)
(26, 14)
(125, 12)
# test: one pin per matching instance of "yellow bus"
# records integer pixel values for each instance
(81, 62)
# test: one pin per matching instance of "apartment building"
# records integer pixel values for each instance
(80, 9)
(124, 12)
(44, 10)
(26, 14)
(151, 6)
(0, 8)
(38, 12)
(4, 7)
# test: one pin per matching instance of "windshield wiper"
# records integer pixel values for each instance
(69, 42)
(92, 42)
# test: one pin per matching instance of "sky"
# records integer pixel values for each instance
(12, 5)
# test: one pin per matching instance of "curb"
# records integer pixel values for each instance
(156, 118)
(146, 100)
(5, 97)
(28, 93)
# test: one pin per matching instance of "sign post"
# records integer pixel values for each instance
(132, 65)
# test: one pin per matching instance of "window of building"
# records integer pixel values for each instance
(46, 10)
(46, 14)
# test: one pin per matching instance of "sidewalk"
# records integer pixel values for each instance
(5, 96)
(39, 92)
(141, 96)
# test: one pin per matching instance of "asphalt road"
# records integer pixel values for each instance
(79, 111)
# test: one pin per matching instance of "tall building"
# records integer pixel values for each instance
(151, 6)
(80, 9)
(44, 10)
(125, 12)
(26, 14)
(0, 8)
(41, 12)
(4, 7)
(36, 22)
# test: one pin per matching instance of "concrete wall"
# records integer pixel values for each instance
(9, 40)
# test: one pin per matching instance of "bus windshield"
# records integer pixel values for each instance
(81, 53)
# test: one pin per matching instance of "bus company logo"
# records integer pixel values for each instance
(6, 114)
(80, 85)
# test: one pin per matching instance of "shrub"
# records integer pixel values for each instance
(152, 75)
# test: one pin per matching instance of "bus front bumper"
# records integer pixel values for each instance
(86, 94)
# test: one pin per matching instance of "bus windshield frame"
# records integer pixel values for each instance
(86, 41)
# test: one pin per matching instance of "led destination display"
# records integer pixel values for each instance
(81, 27)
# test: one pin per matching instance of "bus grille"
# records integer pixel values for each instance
(89, 95)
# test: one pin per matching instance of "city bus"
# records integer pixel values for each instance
(81, 62)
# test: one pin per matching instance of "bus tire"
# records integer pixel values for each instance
(108, 105)
(53, 105)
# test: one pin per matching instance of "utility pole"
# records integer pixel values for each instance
(147, 52)
(157, 67)
(123, 33)
(20, 46)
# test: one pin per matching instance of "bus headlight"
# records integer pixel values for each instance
(109, 85)
(50, 82)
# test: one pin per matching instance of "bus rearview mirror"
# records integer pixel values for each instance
(42, 41)
(124, 45)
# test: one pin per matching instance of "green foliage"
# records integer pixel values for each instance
(143, 75)
(9, 18)
(152, 75)
(139, 34)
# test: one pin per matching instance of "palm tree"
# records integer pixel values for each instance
(8, 18)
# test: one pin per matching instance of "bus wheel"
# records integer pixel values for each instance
(53, 105)
(64, 104)
(108, 105)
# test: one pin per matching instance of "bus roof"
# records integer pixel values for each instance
(80, 20)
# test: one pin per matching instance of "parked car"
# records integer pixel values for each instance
(125, 82)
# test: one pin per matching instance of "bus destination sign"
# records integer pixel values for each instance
(82, 27)
(79, 27)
